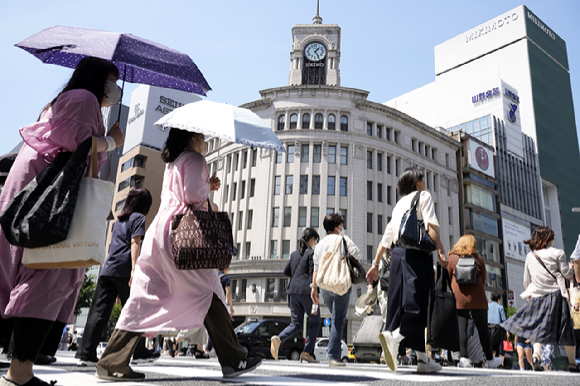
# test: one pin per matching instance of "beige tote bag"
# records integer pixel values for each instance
(333, 274)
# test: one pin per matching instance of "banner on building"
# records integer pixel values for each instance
(514, 236)
(481, 158)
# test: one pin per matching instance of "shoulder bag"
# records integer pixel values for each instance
(333, 273)
(202, 239)
(358, 274)
(442, 324)
(563, 289)
(466, 270)
(412, 232)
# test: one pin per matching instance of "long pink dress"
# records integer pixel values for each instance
(163, 297)
(48, 294)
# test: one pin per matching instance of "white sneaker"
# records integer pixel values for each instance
(430, 367)
(390, 348)
(492, 364)
(464, 362)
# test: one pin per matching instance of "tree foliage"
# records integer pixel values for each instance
(86, 294)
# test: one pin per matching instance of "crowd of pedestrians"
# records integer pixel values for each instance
(36, 305)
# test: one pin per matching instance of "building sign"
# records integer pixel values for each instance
(514, 236)
(511, 95)
(541, 25)
(485, 95)
(167, 102)
(480, 158)
(138, 112)
(510, 298)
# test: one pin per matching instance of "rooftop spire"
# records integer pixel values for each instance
(317, 19)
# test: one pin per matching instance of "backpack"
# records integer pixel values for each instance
(466, 270)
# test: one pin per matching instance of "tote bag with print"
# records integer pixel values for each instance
(333, 272)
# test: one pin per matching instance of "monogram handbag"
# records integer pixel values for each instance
(357, 271)
(333, 273)
(202, 239)
(413, 233)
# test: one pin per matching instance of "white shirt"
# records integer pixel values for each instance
(576, 253)
(537, 281)
(327, 245)
(425, 212)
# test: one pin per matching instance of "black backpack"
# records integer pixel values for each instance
(466, 270)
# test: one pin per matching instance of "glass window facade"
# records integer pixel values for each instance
(480, 197)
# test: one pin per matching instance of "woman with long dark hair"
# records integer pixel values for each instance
(39, 303)
(300, 269)
(162, 297)
(116, 275)
(411, 276)
(545, 318)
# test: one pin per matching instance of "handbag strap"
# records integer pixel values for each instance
(92, 169)
(544, 265)
(415, 200)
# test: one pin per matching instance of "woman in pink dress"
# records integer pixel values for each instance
(163, 297)
(36, 304)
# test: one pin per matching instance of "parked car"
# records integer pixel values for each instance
(255, 337)
(321, 350)
(101, 348)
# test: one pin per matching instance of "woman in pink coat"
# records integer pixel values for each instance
(35, 304)
(163, 297)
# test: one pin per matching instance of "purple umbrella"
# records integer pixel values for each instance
(139, 60)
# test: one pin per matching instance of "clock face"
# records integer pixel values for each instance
(482, 158)
(315, 52)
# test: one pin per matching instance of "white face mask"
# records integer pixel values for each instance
(114, 95)
(341, 233)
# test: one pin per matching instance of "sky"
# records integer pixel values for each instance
(242, 47)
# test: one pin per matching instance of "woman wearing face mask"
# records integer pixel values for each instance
(300, 269)
(35, 305)
(337, 304)
(162, 297)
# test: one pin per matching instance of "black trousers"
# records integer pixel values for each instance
(480, 321)
(104, 298)
(496, 336)
(31, 337)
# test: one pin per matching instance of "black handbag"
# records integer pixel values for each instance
(40, 215)
(413, 233)
(442, 324)
(358, 274)
(466, 270)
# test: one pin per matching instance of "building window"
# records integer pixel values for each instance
(227, 193)
(232, 220)
(314, 217)
(450, 215)
(236, 161)
(119, 205)
(318, 121)
(380, 192)
(343, 123)
(245, 160)
(248, 249)
(274, 249)
(304, 184)
(435, 182)
(293, 121)
(304, 154)
(234, 191)
(329, 211)
(389, 164)
(136, 162)
(290, 158)
(343, 186)
(302, 216)
(449, 187)
(380, 162)
(447, 159)
(277, 183)
(252, 187)
(379, 131)
(397, 167)
(331, 185)
(388, 132)
(240, 220)
(428, 180)
(389, 195)
(243, 192)
(369, 253)
(275, 217)
(414, 144)
(434, 154)
(317, 154)
(369, 223)
(331, 122)
(369, 159)
(306, 121)
(342, 213)
(250, 218)
(344, 155)
(379, 223)
(332, 154)
(279, 156)
(315, 185)
(289, 184)
(285, 249)
(281, 120)
(369, 190)
(134, 181)
(369, 129)
(254, 157)
(287, 216)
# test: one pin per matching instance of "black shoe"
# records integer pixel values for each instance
(152, 357)
(243, 366)
(33, 382)
(201, 355)
(536, 364)
(116, 376)
(44, 360)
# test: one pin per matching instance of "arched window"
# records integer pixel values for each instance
(318, 120)
(331, 122)
(343, 123)
(293, 121)
(281, 120)
(306, 121)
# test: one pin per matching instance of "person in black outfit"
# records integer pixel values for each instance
(300, 269)
(116, 275)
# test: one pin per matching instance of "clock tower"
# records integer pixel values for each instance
(315, 55)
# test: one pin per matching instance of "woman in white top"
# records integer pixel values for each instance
(411, 277)
(337, 304)
(545, 318)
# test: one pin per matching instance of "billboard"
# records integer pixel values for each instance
(514, 235)
(481, 158)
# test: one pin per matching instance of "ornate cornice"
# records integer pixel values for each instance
(260, 103)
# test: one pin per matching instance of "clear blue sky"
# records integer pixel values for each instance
(244, 46)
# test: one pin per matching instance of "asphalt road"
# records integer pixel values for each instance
(183, 371)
